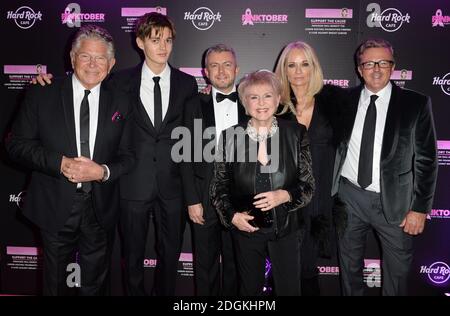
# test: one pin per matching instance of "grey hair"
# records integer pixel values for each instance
(219, 48)
(372, 43)
(93, 32)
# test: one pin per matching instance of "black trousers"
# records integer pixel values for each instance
(211, 243)
(94, 244)
(365, 213)
(252, 249)
(309, 254)
(170, 221)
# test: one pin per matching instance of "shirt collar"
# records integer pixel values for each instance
(382, 94)
(79, 88)
(148, 74)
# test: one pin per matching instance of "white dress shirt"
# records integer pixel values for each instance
(93, 98)
(350, 167)
(225, 113)
(146, 90)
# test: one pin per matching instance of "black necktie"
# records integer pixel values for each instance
(367, 142)
(157, 103)
(84, 134)
(232, 96)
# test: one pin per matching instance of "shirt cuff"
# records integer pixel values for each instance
(108, 173)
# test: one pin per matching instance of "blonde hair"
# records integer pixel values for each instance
(316, 79)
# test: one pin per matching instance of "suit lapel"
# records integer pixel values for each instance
(242, 117)
(142, 119)
(174, 83)
(208, 111)
(390, 135)
(353, 102)
(103, 110)
(68, 108)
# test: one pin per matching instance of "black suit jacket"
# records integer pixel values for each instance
(408, 164)
(155, 173)
(44, 131)
(197, 175)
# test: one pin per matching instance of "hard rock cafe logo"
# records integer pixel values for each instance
(25, 17)
(19, 199)
(202, 18)
(390, 19)
(444, 82)
(438, 272)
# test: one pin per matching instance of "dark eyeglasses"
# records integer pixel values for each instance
(381, 64)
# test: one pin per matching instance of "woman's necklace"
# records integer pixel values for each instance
(303, 105)
(260, 137)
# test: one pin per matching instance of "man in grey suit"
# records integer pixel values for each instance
(385, 170)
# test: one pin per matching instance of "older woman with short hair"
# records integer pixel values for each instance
(262, 177)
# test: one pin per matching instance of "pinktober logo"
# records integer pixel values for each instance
(440, 20)
(328, 270)
(439, 214)
(73, 16)
(343, 83)
(438, 272)
(184, 257)
(249, 18)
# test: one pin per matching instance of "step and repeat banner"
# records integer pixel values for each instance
(36, 39)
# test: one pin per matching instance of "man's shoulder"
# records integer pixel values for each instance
(412, 94)
(182, 77)
(124, 76)
(55, 87)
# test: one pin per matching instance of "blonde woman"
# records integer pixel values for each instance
(307, 101)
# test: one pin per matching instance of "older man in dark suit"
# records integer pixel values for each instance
(385, 170)
(74, 135)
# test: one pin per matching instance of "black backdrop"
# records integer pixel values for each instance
(37, 32)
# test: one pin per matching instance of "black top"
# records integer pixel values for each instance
(263, 220)
(322, 139)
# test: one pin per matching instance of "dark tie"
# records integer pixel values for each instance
(367, 140)
(157, 103)
(232, 96)
(84, 134)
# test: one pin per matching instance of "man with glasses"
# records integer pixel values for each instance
(385, 171)
(74, 135)
(159, 93)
